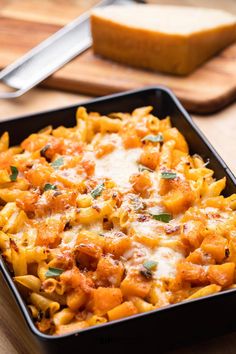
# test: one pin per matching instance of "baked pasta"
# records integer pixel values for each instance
(112, 218)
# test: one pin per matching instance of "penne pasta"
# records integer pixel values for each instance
(111, 218)
(34, 311)
(44, 304)
(29, 281)
(63, 317)
(207, 290)
(49, 285)
(71, 327)
(4, 142)
(124, 310)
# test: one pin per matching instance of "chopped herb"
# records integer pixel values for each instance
(49, 186)
(101, 234)
(142, 168)
(164, 217)
(147, 269)
(44, 150)
(57, 163)
(146, 273)
(153, 138)
(53, 272)
(168, 175)
(14, 173)
(150, 265)
(96, 192)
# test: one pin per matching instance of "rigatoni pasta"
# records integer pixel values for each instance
(111, 218)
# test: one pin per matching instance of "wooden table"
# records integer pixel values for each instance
(220, 129)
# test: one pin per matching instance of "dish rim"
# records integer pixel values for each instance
(3, 265)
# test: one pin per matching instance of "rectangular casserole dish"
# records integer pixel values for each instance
(162, 328)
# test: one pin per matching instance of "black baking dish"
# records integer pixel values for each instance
(162, 328)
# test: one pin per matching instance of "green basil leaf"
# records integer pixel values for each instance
(153, 138)
(164, 217)
(49, 186)
(96, 192)
(57, 163)
(14, 173)
(53, 272)
(150, 265)
(168, 175)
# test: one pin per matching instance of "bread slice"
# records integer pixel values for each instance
(171, 39)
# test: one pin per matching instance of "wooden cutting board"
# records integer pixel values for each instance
(25, 23)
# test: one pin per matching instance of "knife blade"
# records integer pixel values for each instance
(50, 55)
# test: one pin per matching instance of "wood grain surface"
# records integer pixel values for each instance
(25, 23)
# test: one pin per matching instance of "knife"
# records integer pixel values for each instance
(50, 55)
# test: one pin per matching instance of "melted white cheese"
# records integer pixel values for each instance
(119, 165)
(150, 228)
(166, 259)
(135, 256)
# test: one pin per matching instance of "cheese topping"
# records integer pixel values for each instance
(166, 259)
(112, 218)
(118, 165)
